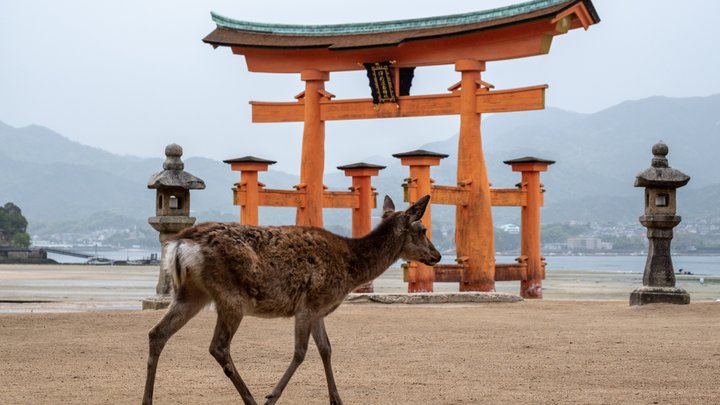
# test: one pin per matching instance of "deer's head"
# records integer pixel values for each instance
(407, 225)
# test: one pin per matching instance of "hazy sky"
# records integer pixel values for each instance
(132, 76)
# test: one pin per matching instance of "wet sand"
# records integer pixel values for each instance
(69, 288)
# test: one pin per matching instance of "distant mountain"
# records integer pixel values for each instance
(598, 155)
(54, 179)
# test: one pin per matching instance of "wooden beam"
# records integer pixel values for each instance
(341, 199)
(522, 99)
(449, 195)
(454, 273)
(510, 271)
(263, 111)
(580, 12)
(296, 198)
(508, 197)
(353, 109)
(280, 198)
(407, 106)
(499, 197)
(449, 273)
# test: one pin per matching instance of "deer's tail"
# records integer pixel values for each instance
(179, 257)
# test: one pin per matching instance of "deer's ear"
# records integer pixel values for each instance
(388, 207)
(416, 211)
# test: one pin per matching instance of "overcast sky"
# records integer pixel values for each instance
(132, 76)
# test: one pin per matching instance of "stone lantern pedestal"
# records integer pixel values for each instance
(168, 227)
(172, 215)
(660, 182)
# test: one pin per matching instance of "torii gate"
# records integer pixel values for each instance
(467, 41)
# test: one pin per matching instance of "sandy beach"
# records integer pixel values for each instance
(560, 350)
(539, 352)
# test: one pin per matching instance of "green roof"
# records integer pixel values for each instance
(385, 26)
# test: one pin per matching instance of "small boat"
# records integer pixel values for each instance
(99, 261)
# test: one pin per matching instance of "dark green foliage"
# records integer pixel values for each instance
(12, 226)
(694, 243)
(627, 243)
(559, 233)
(117, 230)
(506, 242)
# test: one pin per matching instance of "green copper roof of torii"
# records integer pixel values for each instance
(388, 26)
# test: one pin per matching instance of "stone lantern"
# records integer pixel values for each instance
(172, 211)
(660, 182)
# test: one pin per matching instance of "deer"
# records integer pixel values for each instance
(278, 271)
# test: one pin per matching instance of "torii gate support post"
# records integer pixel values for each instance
(531, 286)
(474, 237)
(249, 167)
(361, 174)
(421, 276)
(312, 164)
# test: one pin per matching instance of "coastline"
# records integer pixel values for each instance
(77, 288)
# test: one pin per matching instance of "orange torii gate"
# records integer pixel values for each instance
(467, 41)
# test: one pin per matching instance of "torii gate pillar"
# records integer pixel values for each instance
(473, 222)
(361, 174)
(530, 167)
(418, 185)
(312, 164)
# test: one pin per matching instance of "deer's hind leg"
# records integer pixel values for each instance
(228, 321)
(182, 309)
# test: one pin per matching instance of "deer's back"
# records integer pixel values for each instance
(274, 270)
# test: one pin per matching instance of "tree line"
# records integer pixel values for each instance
(13, 226)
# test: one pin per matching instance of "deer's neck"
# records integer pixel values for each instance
(374, 253)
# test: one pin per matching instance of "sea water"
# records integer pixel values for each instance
(697, 265)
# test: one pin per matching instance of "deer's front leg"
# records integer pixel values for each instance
(323, 344)
(302, 335)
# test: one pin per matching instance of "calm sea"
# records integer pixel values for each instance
(119, 254)
(700, 265)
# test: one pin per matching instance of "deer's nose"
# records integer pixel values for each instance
(435, 258)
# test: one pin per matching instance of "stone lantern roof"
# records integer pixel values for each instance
(660, 174)
(174, 175)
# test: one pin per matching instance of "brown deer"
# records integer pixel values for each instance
(283, 271)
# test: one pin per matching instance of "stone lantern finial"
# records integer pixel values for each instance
(173, 152)
(659, 151)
